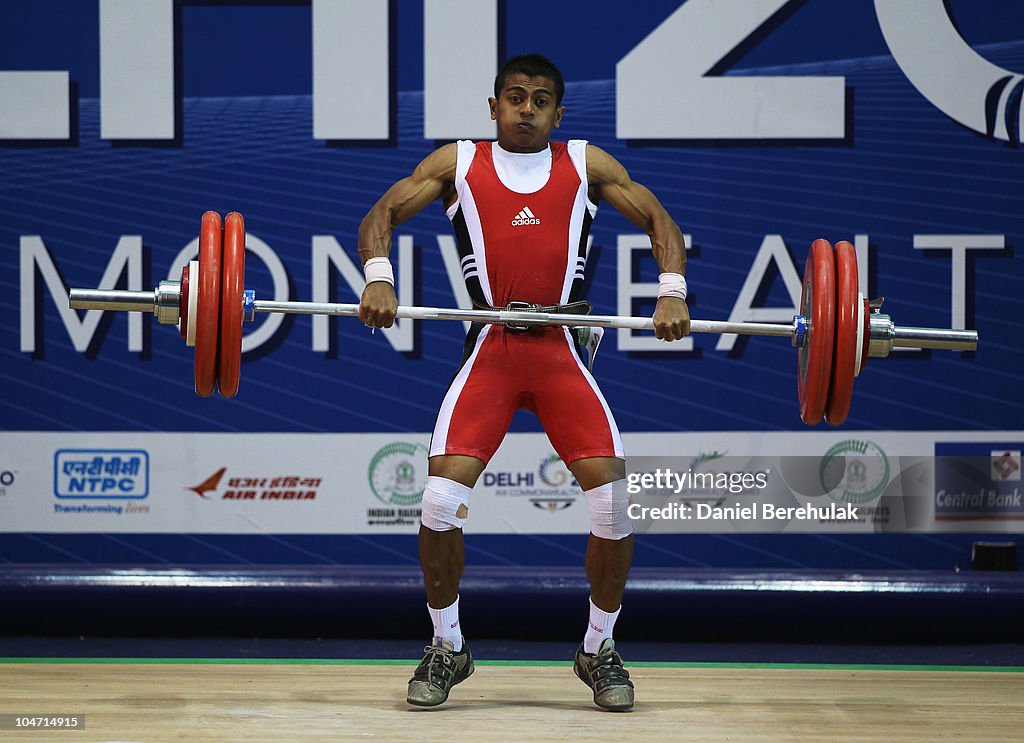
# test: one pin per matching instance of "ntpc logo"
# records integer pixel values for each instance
(101, 473)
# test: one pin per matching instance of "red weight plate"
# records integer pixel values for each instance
(183, 310)
(844, 360)
(207, 319)
(817, 304)
(231, 305)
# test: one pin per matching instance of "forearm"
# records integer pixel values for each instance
(406, 198)
(667, 245)
(375, 233)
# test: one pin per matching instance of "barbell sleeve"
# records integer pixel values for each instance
(884, 335)
(943, 338)
(112, 299)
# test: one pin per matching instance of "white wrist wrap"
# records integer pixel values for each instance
(378, 269)
(672, 285)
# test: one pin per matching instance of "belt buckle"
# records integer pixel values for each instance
(517, 306)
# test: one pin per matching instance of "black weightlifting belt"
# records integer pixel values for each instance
(581, 307)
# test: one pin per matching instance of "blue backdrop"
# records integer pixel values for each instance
(245, 143)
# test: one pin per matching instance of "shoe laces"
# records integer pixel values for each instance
(437, 667)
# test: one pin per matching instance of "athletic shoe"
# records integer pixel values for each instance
(604, 674)
(440, 669)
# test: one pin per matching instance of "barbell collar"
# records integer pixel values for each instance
(799, 331)
(248, 305)
(167, 301)
(881, 333)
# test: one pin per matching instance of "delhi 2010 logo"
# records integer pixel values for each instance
(552, 472)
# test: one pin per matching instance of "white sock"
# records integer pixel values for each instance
(599, 628)
(446, 623)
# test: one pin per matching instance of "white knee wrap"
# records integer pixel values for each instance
(445, 504)
(609, 510)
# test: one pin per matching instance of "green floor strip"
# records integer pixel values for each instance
(535, 663)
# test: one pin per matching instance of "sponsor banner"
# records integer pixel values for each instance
(978, 481)
(209, 483)
(871, 481)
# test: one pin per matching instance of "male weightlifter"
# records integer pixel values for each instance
(521, 209)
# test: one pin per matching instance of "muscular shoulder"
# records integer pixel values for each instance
(602, 168)
(439, 165)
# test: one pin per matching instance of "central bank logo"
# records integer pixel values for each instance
(854, 471)
(1006, 465)
(398, 473)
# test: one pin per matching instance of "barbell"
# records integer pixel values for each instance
(836, 331)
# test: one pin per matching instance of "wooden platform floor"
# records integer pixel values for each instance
(277, 700)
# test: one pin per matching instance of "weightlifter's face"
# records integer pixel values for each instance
(526, 112)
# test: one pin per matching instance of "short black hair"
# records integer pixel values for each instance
(531, 65)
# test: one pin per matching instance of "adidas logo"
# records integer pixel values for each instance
(525, 217)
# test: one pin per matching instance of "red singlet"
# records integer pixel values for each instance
(522, 223)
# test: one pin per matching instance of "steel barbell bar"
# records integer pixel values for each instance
(835, 332)
(884, 333)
